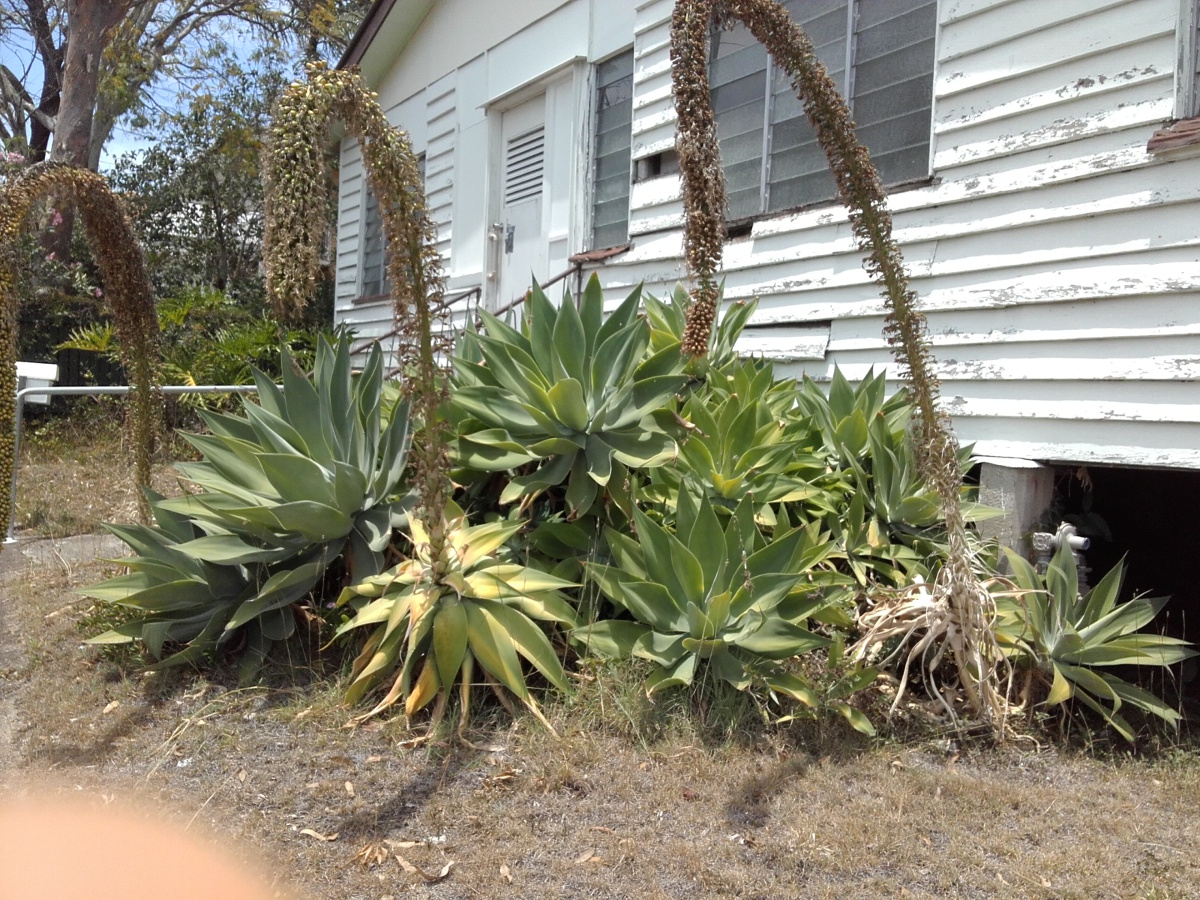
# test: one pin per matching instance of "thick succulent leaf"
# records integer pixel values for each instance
(1125, 619)
(793, 686)
(664, 649)
(582, 490)
(299, 479)
(1085, 679)
(1118, 723)
(627, 554)
(449, 639)
(494, 649)
(481, 541)
(568, 404)
(232, 550)
(641, 449)
(857, 720)
(529, 640)
(678, 675)
(669, 563)
(570, 342)
(284, 588)
(498, 408)
(611, 638)
(1143, 700)
(778, 639)
(1134, 650)
(540, 316)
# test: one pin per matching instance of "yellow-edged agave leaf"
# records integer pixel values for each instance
(380, 661)
(857, 720)
(1060, 689)
(377, 611)
(423, 691)
(793, 686)
(494, 649)
(480, 541)
(449, 639)
(529, 641)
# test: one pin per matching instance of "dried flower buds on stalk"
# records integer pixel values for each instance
(296, 194)
(111, 238)
(977, 657)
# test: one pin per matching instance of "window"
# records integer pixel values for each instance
(614, 121)
(880, 54)
(375, 280)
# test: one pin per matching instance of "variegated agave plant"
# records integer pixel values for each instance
(1069, 642)
(434, 619)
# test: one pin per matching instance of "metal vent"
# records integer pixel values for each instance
(524, 164)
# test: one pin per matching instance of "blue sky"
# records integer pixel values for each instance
(16, 52)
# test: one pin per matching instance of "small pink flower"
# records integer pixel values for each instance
(97, 293)
(50, 256)
(55, 218)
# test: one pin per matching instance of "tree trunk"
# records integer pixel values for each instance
(91, 23)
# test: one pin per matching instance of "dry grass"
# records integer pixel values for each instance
(690, 797)
(77, 473)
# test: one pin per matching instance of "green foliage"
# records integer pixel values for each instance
(483, 608)
(208, 338)
(721, 595)
(571, 392)
(306, 476)
(196, 192)
(1067, 641)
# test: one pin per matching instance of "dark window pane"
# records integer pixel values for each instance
(611, 153)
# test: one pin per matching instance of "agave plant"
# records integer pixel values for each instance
(743, 440)
(1066, 641)
(668, 321)
(704, 593)
(571, 392)
(308, 475)
(191, 602)
(434, 619)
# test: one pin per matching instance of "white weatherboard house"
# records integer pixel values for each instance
(1044, 159)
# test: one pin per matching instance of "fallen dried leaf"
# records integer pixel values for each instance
(505, 874)
(111, 707)
(421, 873)
(373, 759)
(349, 788)
(320, 837)
(584, 857)
(371, 855)
(241, 776)
(603, 829)
(300, 715)
(404, 845)
(690, 796)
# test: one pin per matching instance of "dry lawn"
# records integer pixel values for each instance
(691, 797)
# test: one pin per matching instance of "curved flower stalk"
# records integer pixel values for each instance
(111, 237)
(296, 197)
(971, 607)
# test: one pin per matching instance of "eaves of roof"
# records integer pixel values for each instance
(366, 32)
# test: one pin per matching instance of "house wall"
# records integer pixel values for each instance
(1056, 260)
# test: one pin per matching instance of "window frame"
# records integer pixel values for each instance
(593, 155)
(364, 236)
(739, 225)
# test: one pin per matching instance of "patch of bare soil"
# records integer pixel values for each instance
(631, 801)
